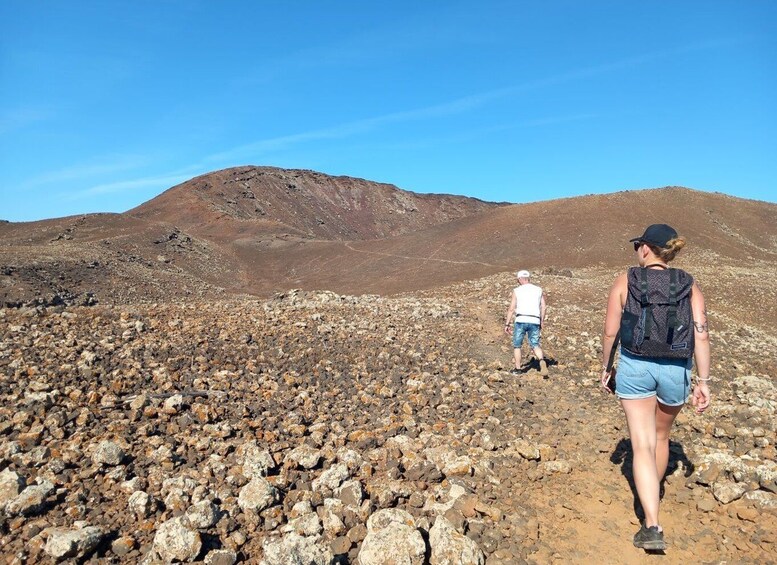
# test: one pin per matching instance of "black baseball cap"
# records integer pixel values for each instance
(657, 234)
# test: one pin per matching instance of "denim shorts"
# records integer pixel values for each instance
(532, 330)
(669, 380)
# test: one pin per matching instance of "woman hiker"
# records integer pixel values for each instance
(659, 315)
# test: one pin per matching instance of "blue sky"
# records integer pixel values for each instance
(105, 104)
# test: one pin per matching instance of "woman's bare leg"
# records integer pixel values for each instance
(665, 416)
(641, 418)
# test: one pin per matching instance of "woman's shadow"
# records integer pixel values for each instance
(624, 456)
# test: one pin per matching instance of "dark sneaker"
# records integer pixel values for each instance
(649, 538)
(515, 371)
(543, 368)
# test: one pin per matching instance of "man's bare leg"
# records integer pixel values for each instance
(543, 365)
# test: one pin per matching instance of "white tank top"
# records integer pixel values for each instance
(527, 303)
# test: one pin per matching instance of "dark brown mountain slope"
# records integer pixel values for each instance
(209, 236)
(259, 200)
(567, 233)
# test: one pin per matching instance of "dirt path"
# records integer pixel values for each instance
(590, 514)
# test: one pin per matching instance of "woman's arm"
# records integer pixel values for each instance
(612, 320)
(701, 352)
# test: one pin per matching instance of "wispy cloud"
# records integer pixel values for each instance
(19, 118)
(456, 106)
(105, 166)
(162, 181)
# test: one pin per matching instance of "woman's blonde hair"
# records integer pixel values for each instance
(673, 247)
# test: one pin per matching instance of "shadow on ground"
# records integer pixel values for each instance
(623, 455)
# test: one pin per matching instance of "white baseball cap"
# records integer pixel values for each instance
(523, 274)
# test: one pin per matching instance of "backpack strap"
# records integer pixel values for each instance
(644, 300)
(672, 312)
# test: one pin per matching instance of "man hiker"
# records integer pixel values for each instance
(527, 303)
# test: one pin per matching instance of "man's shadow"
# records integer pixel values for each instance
(534, 364)
(623, 455)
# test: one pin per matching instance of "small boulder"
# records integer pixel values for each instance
(450, 547)
(63, 543)
(108, 453)
(175, 540)
(392, 537)
(257, 495)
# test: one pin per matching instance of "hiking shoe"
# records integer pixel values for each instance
(515, 371)
(543, 368)
(649, 538)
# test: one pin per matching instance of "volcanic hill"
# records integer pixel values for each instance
(261, 230)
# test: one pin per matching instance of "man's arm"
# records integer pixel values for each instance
(510, 311)
(542, 310)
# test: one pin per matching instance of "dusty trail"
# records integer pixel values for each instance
(590, 514)
(424, 259)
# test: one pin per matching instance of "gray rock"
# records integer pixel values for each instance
(526, 449)
(62, 543)
(330, 514)
(108, 453)
(11, 484)
(304, 455)
(256, 462)
(221, 557)
(141, 504)
(31, 500)
(727, 492)
(559, 466)
(332, 477)
(450, 547)
(257, 495)
(294, 549)
(175, 540)
(392, 537)
(351, 493)
(306, 525)
(203, 514)
(173, 405)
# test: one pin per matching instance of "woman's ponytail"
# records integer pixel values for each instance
(673, 247)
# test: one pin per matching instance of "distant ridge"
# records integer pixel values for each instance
(262, 230)
(303, 203)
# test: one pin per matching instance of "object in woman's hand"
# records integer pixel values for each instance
(609, 384)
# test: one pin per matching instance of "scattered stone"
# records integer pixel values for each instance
(202, 515)
(11, 484)
(257, 495)
(727, 492)
(293, 548)
(221, 557)
(449, 547)
(392, 534)
(63, 543)
(31, 501)
(304, 456)
(175, 540)
(108, 453)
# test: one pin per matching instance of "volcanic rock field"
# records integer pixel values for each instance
(315, 428)
(311, 426)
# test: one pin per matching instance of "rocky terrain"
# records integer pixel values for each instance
(312, 427)
(165, 396)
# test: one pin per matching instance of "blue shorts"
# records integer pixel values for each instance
(669, 380)
(532, 330)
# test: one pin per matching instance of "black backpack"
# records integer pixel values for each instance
(657, 319)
